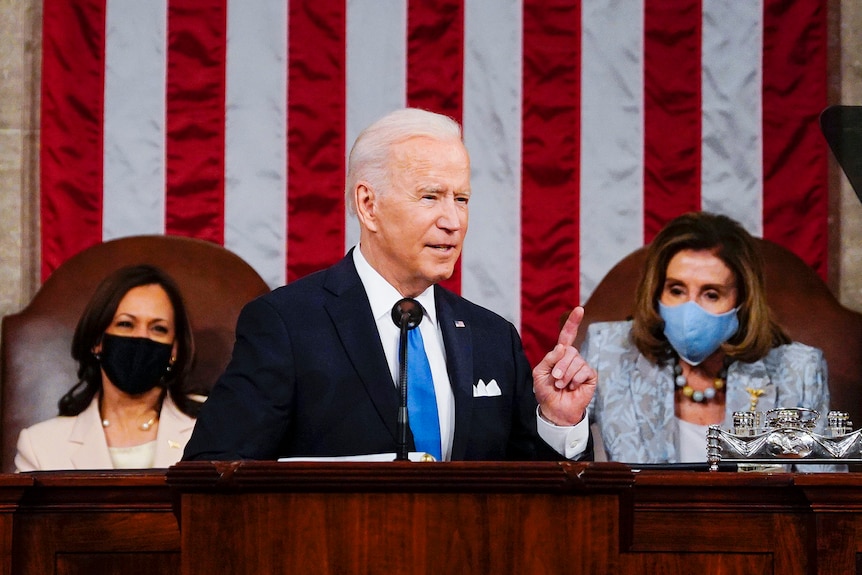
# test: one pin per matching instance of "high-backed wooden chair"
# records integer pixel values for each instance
(36, 366)
(800, 300)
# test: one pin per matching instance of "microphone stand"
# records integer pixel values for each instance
(407, 313)
(403, 420)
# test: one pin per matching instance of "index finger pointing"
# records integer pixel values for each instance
(570, 328)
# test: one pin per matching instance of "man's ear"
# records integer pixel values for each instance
(366, 208)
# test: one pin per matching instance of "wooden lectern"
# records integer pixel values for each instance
(399, 518)
(511, 518)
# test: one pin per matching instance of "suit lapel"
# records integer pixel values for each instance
(175, 428)
(350, 313)
(458, 339)
(655, 413)
(88, 447)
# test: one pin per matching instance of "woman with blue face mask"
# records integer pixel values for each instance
(130, 408)
(702, 344)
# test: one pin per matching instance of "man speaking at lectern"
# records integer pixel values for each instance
(315, 363)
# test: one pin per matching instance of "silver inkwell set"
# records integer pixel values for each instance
(784, 436)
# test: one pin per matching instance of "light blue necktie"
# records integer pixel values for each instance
(421, 399)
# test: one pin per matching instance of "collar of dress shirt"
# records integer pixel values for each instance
(382, 295)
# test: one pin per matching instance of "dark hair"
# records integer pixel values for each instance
(726, 239)
(97, 317)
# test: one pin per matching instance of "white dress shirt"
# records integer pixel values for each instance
(382, 297)
(568, 441)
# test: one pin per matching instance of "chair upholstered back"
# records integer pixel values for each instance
(36, 366)
(801, 302)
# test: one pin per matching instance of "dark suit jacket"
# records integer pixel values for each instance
(309, 377)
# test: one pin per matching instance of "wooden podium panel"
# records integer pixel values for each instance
(398, 518)
(71, 522)
(746, 522)
(836, 501)
(393, 534)
(415, 518)
(423, 518)
(12, 488)
(401, 517)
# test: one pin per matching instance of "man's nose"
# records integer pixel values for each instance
(450, 218)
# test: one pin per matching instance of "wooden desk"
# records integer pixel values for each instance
(70, 523)
(12, 488)
(257, 517)
(702, 522)
(397, 517)
(265, 517)
(836, 501)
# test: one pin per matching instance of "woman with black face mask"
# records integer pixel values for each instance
(133, 345)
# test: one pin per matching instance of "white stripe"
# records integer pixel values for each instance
(256, 135)
(612, 134)
(134, 122)
(491, 261)
(376, 71)
(732, 153)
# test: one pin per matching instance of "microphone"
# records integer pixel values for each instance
(407, 314)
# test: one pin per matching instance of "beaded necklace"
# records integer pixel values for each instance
(698, 396)
(145, 426)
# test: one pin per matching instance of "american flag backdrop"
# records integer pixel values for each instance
(590, 123)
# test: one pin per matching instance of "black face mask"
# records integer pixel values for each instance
(134, 364)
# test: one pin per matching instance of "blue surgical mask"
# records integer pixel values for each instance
(694, 332)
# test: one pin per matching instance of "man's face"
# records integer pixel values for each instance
(416, 226)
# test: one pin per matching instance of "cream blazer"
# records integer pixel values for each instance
(79, 442)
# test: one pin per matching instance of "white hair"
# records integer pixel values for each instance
(369, 158)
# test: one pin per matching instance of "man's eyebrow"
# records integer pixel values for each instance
(432, 189)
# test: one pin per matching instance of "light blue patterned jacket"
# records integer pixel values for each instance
(633, 407)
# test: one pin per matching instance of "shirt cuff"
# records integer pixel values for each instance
(569, 441)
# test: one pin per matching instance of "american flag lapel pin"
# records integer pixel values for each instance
(459, 323)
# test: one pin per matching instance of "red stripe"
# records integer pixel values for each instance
(550, 208)
(672, 111)
(315, 134)
(73, 87)
(795, 204)
(435, 66)
(195, 119)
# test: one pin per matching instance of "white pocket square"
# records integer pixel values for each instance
(490, 389)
